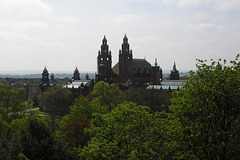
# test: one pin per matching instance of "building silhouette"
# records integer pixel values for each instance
(128, 70)
(45, 80)
(174, 73)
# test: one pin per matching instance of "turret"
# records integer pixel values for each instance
(76, 74)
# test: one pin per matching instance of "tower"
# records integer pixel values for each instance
(45, 80)
(76, 74)
(156, 73)
(104, 61)
(125, 61)
(45, 76)
(174, 73)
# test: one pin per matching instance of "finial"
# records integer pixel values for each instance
(155, 61)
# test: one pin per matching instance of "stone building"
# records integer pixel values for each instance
(46, 82)
(78, 86)
(128, 70)
(174, 73)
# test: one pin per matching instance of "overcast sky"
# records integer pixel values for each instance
(63, 34)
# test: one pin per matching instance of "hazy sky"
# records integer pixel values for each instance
(63, 34)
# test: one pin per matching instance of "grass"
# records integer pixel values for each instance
(37, 112)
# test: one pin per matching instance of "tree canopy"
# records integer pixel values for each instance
(207, 112)
(56, 100)
(127, 132)
(12, 104)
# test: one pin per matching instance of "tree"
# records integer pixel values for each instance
(157, 100)
(31, 138)
(206, 113)
(83, 106)
(56, 100)
(12, 104)
(108, 94)
(71, 130)
(127, 132)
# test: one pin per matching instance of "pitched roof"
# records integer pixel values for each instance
(138, 65)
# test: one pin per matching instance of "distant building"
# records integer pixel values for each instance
(170, 85)
(128, 70)
(78, 86)
(174, 73)
(45, 80)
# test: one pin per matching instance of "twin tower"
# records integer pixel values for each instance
(128, 70)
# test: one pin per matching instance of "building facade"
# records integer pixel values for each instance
(174, 73)
(128, 70)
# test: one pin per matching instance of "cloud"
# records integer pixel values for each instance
(188, 3)
(224, 5)
(220, 5)
(24, 9)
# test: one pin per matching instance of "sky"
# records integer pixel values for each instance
(65, 34)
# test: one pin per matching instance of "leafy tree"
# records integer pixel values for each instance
(206, 113)
(157, 100)
(12, 105)
(106, 97)
(56, 100)
(108, 94)
(84, 106)
(71, 130)
(31, 138)
(127, 132)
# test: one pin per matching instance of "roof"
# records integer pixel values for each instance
(116, 68)
(77, 83)
(138, 65)
(168, 84)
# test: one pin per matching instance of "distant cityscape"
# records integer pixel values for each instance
(68, 74)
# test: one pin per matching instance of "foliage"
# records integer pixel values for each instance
(83, 106)
(206, 113)
(106, 97)
(127, 132)
(31, 138)
(155, 99)
(56, 100)
(12, 105)
(108, 94)
(71, 130)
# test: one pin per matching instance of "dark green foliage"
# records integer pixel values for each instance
(56, 100)
(157, 100)
(31, 138)
(71, 130)
(12, 105)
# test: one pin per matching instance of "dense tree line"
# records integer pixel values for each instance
(200, 122)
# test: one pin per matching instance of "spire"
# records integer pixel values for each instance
(76, 70)
(45, 70)
(125, 39)
(155, 62)
(52, 76)
(104, 40)
(174, 66)
(76, 74)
